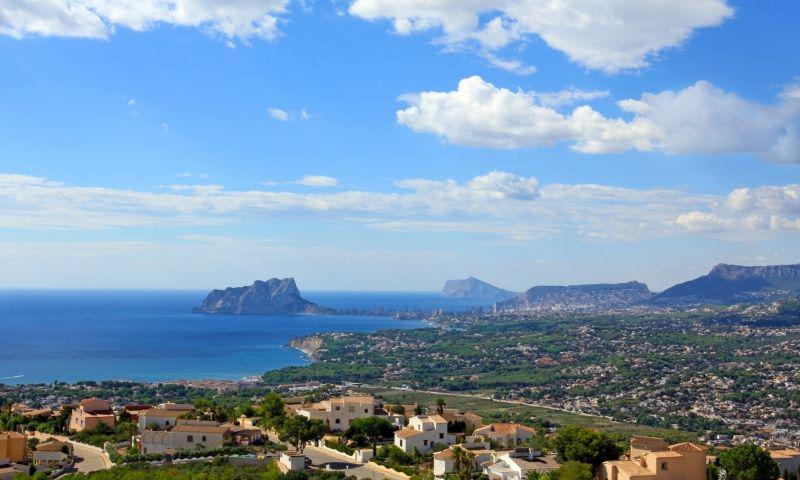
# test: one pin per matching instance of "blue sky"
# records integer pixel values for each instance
(391, 145)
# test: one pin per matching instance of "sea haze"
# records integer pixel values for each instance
(151, 336)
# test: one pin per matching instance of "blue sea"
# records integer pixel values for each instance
(152, 336)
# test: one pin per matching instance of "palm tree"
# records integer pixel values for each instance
(440, 405)
(463, 463)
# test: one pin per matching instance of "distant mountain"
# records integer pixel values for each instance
(578, 297)
(271, 297)
(729, 284)
(472, 288)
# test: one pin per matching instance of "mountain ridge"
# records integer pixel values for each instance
(578, 297)
(728, 284)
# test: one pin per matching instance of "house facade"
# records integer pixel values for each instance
(443, 462)
(338, 412)
(508, 434)
(13, 446)
(516, 465)
(423, 433)
(186, 435)
(682, 461)
(158, 418)
(91, 413)
(788, 460)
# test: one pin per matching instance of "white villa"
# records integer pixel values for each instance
(423, 433)
(337, 413)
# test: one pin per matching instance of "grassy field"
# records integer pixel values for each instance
(491, 408)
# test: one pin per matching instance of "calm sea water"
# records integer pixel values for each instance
(151, 336)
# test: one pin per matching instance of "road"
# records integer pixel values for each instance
(87, 459)
(487, 397)
(320, 458)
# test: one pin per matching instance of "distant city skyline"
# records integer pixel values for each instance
(392, 145)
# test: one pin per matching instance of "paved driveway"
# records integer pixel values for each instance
(321, 458)
(86, 459)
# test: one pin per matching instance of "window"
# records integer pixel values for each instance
(337, 408)
(190, 438)
(351, 409)
(366, 410)
(441, 435)
(663, 465)
(204, 438)
(425, 442)
(401, 442)
(337, 421)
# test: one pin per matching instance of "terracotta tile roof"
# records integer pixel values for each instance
(95, 405)
(437, 419)
(668, 453)
(199, 429)
(408, 432)
(353, 399)
(632, 468)
(160, 413)
(503, 429)
(687, 447)
(444, 454)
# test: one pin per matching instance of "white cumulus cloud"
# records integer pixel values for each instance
(700, 119)
(233, 20)
(278, 114)
(609, 35)
(318, 181)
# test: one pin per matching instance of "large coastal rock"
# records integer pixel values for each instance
(572, 298)
(271, 297)
(728, 284)
(472, 288)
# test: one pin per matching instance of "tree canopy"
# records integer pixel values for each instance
(299, 430)
(575, 443)
(748, 462)
(373, 428)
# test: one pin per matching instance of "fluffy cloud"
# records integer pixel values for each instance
(278, 114)
(234, 20)
(497, 205)
(478, 114)
(609, 35)
(318, 181)
(700, 119)
(747, 210)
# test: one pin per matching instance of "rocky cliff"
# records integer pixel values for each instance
(472, 288)
(578, 297)
(271, 297)
(728, 284)
(309, 345)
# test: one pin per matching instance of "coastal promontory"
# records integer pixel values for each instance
(272, 297)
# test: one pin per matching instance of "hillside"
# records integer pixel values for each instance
(577, 297)
(729, 284)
